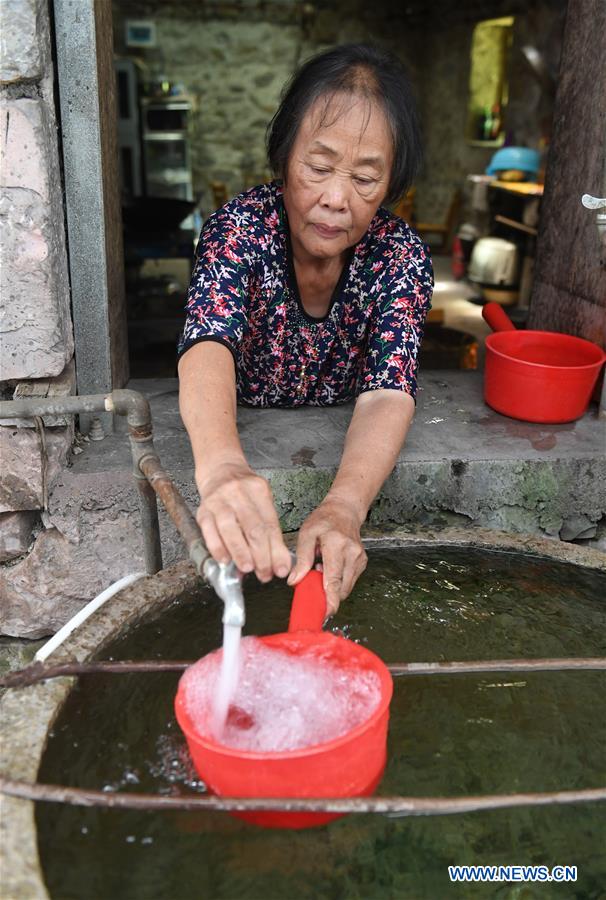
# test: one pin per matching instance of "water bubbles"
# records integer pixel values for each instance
(130, 777)
(282, 702)
(173, 766)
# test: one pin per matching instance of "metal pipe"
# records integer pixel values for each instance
(226, 580)
(150, 526)
(36, 672)
(176, 507)
(50, 406)
(131, 404)
(151, 480)
(391, 806)
(137, 410)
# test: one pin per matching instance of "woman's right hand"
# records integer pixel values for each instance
(239, 521)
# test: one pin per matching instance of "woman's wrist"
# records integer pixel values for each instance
(345, 500)
(208, 470)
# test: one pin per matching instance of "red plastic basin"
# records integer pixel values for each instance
(349, 766)
(538, 376)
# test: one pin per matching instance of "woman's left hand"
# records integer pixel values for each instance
(332, 531)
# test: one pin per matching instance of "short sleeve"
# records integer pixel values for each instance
(403, 298)
(217, 301)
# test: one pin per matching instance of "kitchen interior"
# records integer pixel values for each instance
(198, 81)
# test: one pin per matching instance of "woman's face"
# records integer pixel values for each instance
(337, 175)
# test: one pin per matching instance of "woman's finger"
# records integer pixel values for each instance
(281, 560)
(263, 500)
(306, 554)
(355, 563)
(212, 539)
(256, 533)
(232, 536)
(333, 562)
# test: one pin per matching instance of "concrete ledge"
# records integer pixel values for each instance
(463, 464)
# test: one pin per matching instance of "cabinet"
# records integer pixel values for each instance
(166, 151)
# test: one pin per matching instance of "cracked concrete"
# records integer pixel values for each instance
(463, 464)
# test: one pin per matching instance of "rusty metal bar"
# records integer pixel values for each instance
(177, 509)
(150, 526)
(39, 672)
(391, 806)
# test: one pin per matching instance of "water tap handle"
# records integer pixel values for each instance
(590, 202)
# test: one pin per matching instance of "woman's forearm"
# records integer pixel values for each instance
(375, 436)
(237, 513)
(207, 401)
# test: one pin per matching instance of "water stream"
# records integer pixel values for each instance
(449, 736)
(228, 678)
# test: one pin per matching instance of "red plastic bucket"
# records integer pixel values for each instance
(349, 766)
(538, 376)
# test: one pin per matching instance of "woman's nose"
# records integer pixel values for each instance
(335, 193)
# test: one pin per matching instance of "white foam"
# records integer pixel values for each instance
(282, 702)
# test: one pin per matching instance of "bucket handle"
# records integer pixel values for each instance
(497, 318)
(308, 609)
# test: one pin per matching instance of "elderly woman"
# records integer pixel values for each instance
(307, 290)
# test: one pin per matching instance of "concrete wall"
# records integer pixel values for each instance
(234, 64)
(36, 343)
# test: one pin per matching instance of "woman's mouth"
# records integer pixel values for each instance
(327, 231)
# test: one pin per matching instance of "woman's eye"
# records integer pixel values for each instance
(366, 182)
(319, 171)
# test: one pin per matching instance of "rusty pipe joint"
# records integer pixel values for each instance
(131, 404)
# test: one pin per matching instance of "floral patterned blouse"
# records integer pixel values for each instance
(244, 294)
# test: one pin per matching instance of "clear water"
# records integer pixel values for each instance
(225, 689)
(281, 702)
(449, 735)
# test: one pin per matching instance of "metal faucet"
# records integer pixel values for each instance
(599, 203)
(226, 581)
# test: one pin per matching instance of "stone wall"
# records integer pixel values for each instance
(234, 62)
(36, 343)
(233, 66)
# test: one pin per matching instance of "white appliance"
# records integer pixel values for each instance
(495, 267)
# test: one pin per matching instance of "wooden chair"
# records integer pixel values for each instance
(219, 192)
(444, 229)
(405, 206)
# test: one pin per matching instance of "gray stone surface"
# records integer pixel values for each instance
(35, 324)
(462, 464)
(20, 50)
(30, 464)
(15, 534)
(63, 385)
